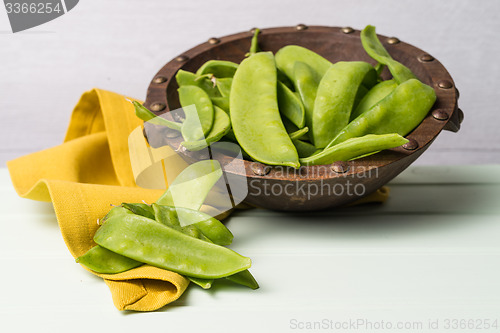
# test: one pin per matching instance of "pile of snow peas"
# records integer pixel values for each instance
(171, 234)
(297, 108)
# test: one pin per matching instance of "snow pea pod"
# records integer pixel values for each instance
(204, 283)
(400, 112)
(148, 241)
(306, 83)
(143, 113)
(140, 209)
(191, 187)
(244, 278)
(116, 211)
(290, 105)
(288, 55)
(199, 120)
(335, 98)
(185, 78)
(285, 80)
(254, 44)
(169, 218)
(298, 133)
(255, 115)
(376, 50)
(104, 261)
(222, 103)
(222, 125)
(354, 148)
(219, 68)
(360, 94)
(211, 228)
(304, 149)
(224, 85)
(373, 96)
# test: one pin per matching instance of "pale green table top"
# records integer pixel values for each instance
(427, 257)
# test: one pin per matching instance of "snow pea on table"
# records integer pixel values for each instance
(148, 241)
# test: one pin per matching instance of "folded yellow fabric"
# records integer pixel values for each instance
(82, 177)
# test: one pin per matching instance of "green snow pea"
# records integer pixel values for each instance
(400, 112)
(199, 120)
(306, 83)
(116, 211)
(210, 227)
(143, 113)
(185, 78)
(148, 241)
(224, 85)
(288, 55)
(218, 68)
(169, 218)
(290, 105)
(244, 278)
(335, 98)
(204, 283)
(376, 50)
(140, 209)
(373, 96)
(354, 148)
(360, 94)
(222, 103)
(285, 80)
(255, 115)
(211, 230)
(222, 125)
(191, 187)
(104, 261)
(304, 149)
(254, 44)
(299, 133)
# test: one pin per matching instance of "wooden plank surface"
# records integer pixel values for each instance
(429, 254)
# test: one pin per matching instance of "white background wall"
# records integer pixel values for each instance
(119, 45)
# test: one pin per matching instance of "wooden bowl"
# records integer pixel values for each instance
(323, 186)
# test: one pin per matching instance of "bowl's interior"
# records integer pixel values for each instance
(335, 44)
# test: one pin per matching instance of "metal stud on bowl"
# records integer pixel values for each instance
(445, 84)
(159, 79)
(301, 27)
(393, 40)
(347, 30)
(157, 107)
(214, 41)
(182, 58)
(260, 169)
(412, 144)
(340, 167)
(440, 115)
(426, 58)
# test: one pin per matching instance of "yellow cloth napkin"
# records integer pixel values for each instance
(82, 177)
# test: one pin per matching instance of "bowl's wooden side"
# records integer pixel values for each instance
(336, 45)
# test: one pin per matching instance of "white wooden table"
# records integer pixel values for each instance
(427, 257)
